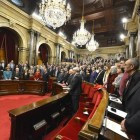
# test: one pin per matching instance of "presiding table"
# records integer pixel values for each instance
(21, 87)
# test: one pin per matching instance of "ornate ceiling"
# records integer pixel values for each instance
(107, 16)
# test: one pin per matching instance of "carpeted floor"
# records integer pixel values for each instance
(11, 102)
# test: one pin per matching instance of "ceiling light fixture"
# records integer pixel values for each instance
(124, 20)
(92, 45)
(81, 36)
(55, 12)
(122, 36)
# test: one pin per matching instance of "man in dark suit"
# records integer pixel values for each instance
(56, 72)
(51, 71)
(66, 75)
(68, 82)
(4, 65)
(1, 71)
(99, 78)
(61, 76)
(16, 74)
(75, 89)
(45, 78)
(131, 99)
(93, 75)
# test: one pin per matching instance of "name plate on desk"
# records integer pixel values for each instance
(115, 127)
(114, 99)
(118, 112)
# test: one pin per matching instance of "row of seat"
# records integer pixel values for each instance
(89, 100)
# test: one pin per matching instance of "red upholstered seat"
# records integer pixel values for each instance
(50, 84)
(83, 86)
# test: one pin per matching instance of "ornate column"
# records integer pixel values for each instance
(31, 46)
(132, 47)
(57, 52)
(138, 42)
(36, 47)
(60, 48)
(127, 51)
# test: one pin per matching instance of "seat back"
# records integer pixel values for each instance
(83, 86)
(86, 89)
(91, 92)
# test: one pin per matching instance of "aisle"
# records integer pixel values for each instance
(11, 102)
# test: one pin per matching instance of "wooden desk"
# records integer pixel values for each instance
(23, 118)
(20, 87)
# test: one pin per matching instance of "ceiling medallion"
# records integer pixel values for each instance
(92, 45)
(81, 36)
(55, 12)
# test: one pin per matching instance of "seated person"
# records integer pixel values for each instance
(26, 75)
(7, 74)
(16, 74)
(37, 75)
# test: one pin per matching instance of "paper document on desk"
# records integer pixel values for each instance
(114, 127)
(118, 112)
(66, 88)
(114, 99)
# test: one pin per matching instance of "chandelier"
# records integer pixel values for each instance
(55, 12)
(92, 45)
(81, 36)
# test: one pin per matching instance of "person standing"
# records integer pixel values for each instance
(75, 89)
(45, 78)
(131, 99)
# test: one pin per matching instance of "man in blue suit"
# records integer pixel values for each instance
(93, 75)
(7, 74)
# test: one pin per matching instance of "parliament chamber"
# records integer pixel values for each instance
(69, 69)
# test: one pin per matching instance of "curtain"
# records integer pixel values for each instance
(43, 53)
(9, 45)
(10, 48)
(2, 38)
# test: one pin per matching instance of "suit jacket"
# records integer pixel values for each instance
(16, 74)
(75, 87)
(26, 77)
(66, 75)
(131, 101)
(45, 77)
(5, 65)
(99, 78)
(1, 72)
(69, 79)
(93, 77)
(60, 77)
(51, 72)
(7, 75)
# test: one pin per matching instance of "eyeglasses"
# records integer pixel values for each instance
(127, 64)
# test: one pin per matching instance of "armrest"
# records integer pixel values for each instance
(90, 104)
(59, 137)
(89, 110)
(79, 120)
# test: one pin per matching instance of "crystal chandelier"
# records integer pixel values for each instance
(55, 12)
(81, 36)
(92, 45)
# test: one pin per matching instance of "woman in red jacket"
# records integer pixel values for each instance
(37, 75)
(112, 75)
